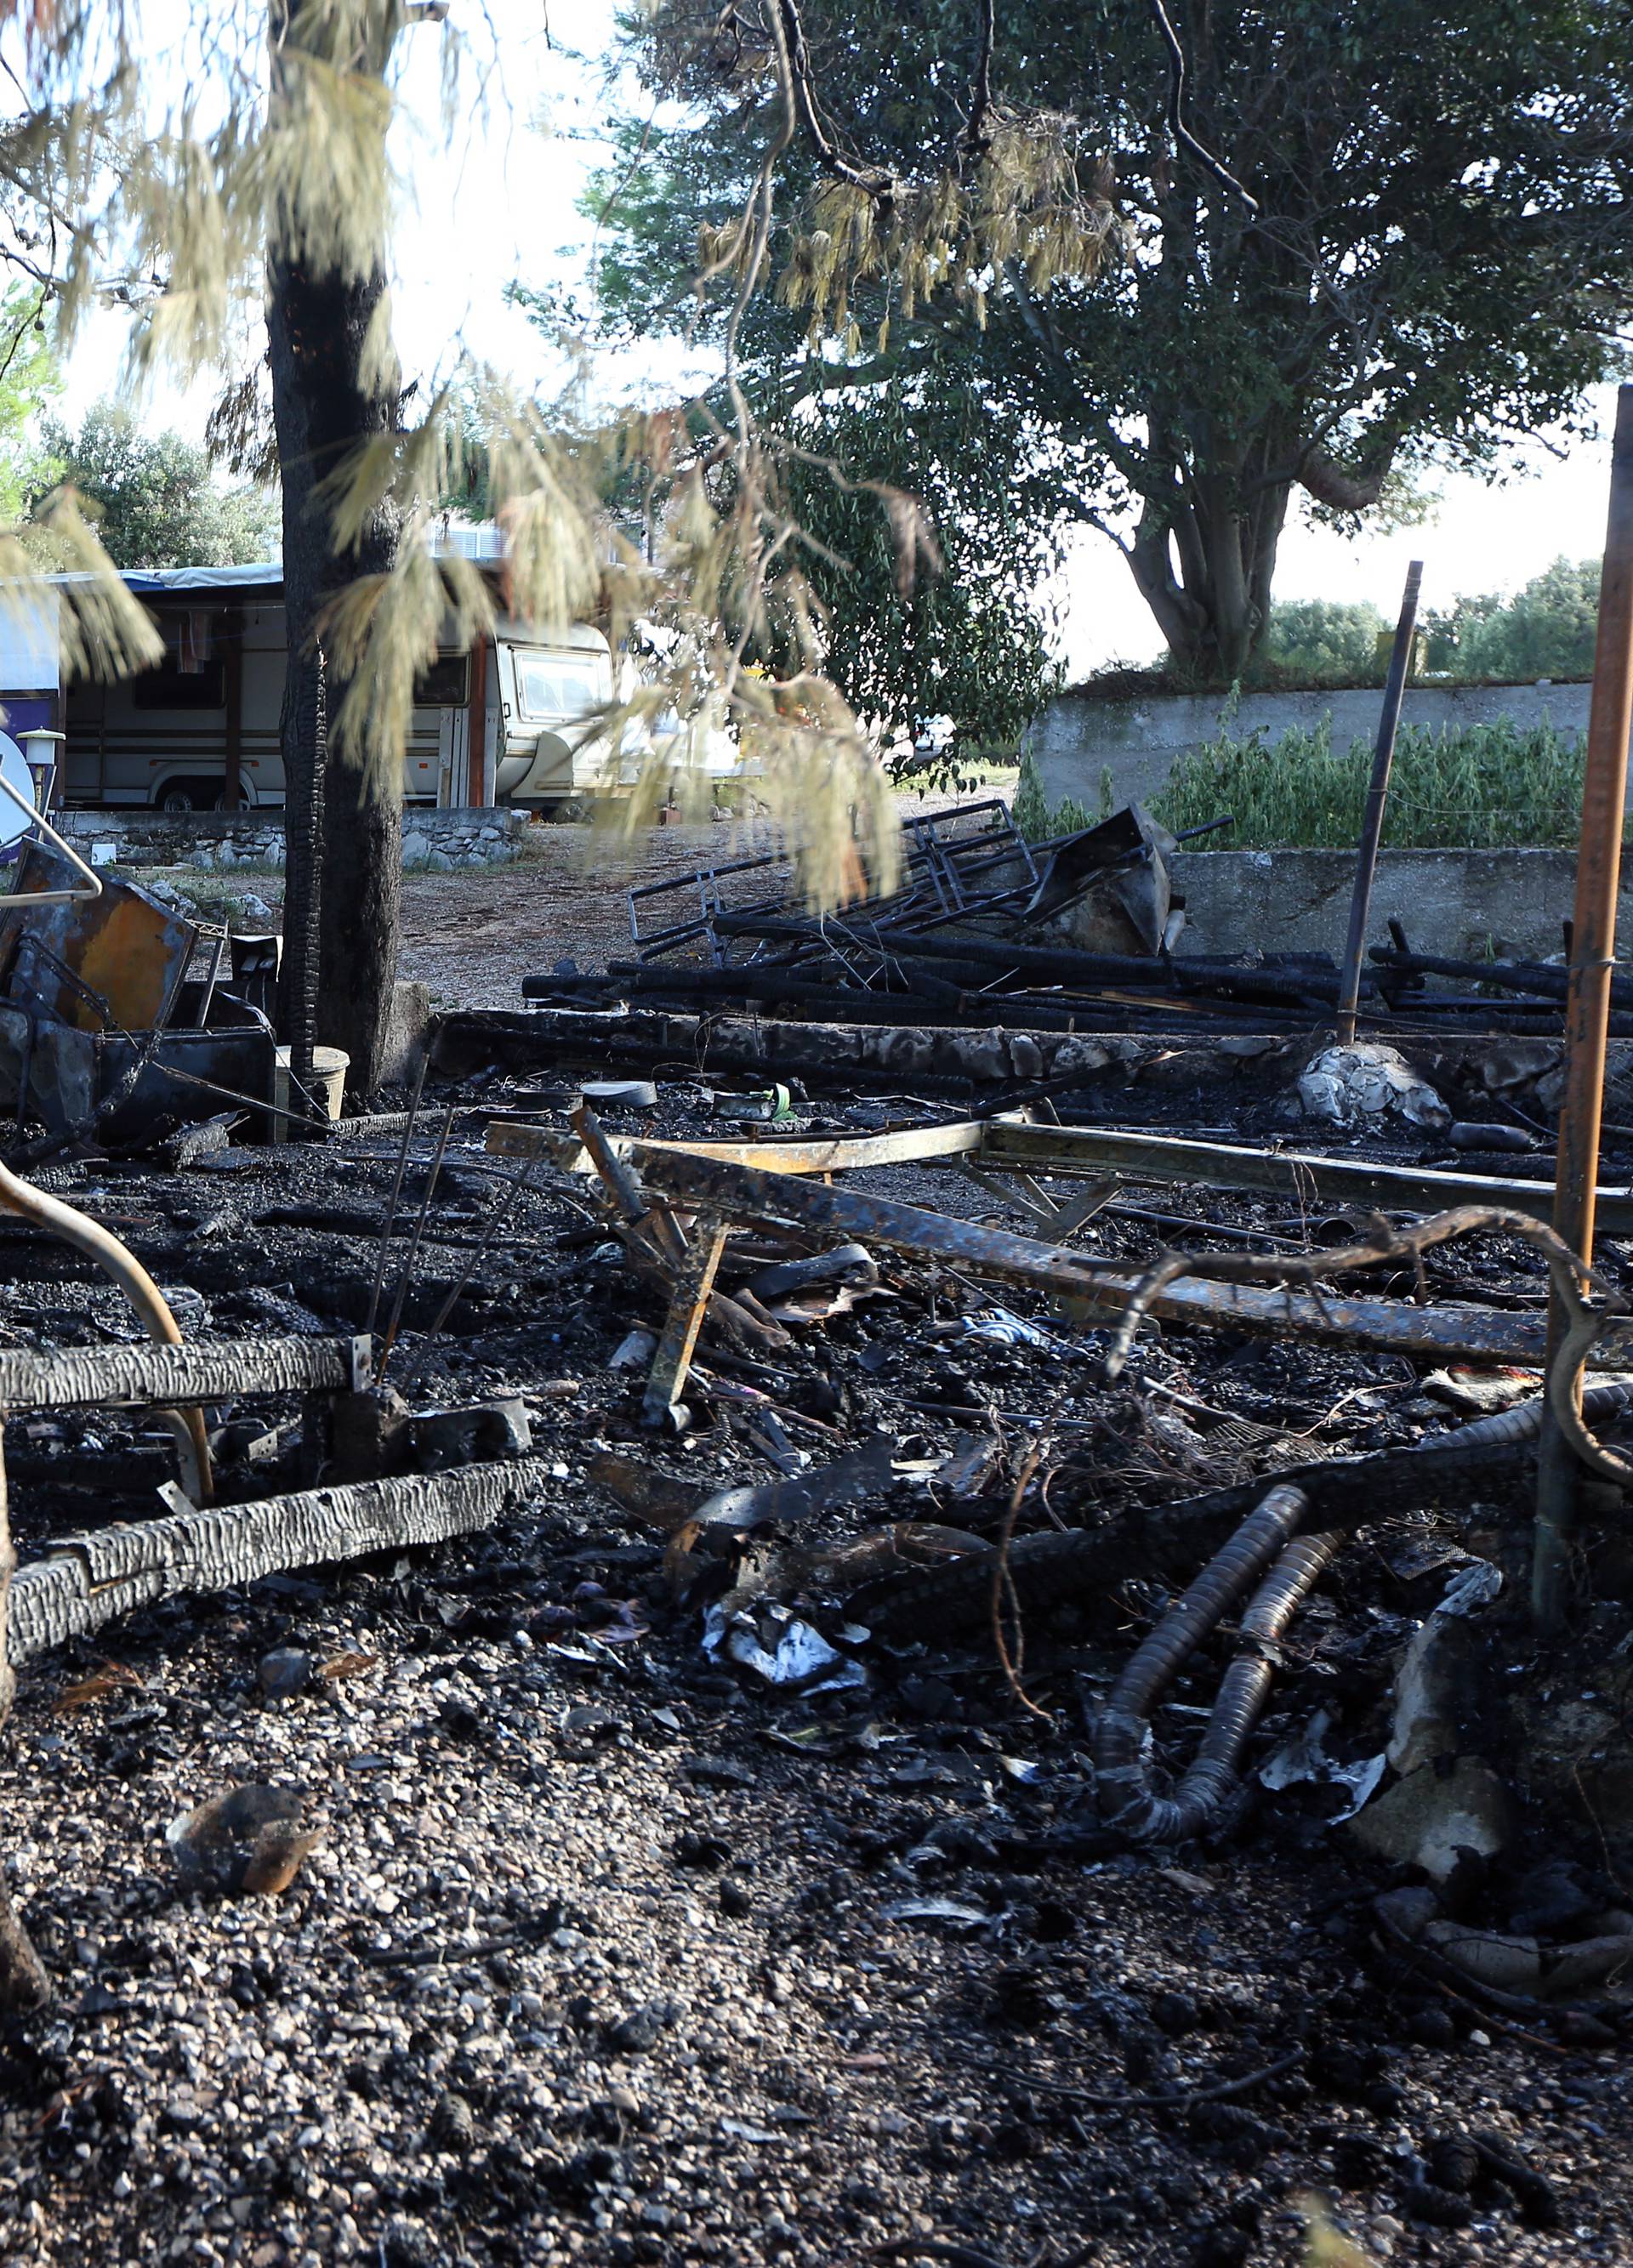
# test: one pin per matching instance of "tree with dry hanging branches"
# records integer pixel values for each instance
(251, 184)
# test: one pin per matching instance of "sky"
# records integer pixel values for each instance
(497, 202)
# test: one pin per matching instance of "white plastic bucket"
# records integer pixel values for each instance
(329, 1066)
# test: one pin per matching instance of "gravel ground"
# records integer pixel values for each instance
(604, 1951)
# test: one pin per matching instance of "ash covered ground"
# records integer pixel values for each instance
(610, 1950)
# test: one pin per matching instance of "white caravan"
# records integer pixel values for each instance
(516, 720)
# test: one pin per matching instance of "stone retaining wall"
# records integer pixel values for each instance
(1080, 735)
(217, 841)
(1471, 905)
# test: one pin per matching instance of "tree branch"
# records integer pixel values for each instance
(1183, 136)
(977, 139)
(870, 180)
(874, 180)
(1324, 479)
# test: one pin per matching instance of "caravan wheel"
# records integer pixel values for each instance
(193, 795)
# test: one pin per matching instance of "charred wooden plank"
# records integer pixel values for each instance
(200, 1371)
(85, 1581)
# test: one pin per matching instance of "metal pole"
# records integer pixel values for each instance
(1377, 796)
(1587, 1010)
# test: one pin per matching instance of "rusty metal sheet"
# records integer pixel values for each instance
(129, 952)
(71, 1075)
(1089, 1288)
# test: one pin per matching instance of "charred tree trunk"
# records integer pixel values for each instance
(24, 1984)
(344, 824)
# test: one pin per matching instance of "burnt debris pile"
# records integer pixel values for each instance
(1084, 932)
(1092, 1475)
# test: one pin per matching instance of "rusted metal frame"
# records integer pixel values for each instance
(1006, 1145)
(196, 1483)
(400, 1300)
(1377, 798)
(1587, 1008)
(1038, 1202)
(384, 1252)
(1091, 1288)
(688, 1304)
(1298, 1174)
(1056, 1220)
(1018, 1189)
(218, 953)
(1071, 1216)
(1059, 1219)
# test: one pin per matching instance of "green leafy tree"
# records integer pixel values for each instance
(1435, 256)
(1547, 629)
(962, 637)
(154, 498)
(29, 378)
(1326, 640)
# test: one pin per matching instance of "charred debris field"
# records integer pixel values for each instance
(746, 1842)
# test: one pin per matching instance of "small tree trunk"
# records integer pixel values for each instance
(305, 763)
(24, 1984)
(361, 916)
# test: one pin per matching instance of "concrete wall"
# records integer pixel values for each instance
(1078, 735)
(1466, 903)
(216, 841)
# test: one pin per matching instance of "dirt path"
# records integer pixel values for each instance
(473, 936)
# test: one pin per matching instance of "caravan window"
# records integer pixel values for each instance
(444, 683)
(170, 688)
(193, 673)
(560, 685)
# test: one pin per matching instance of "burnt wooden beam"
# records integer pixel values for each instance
(86, 1580)
(198, 1370)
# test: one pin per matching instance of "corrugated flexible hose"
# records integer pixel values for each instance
(1128, 1802)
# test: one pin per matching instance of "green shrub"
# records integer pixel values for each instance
(1029, 810)
(1038, 823)
(1478, 787)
